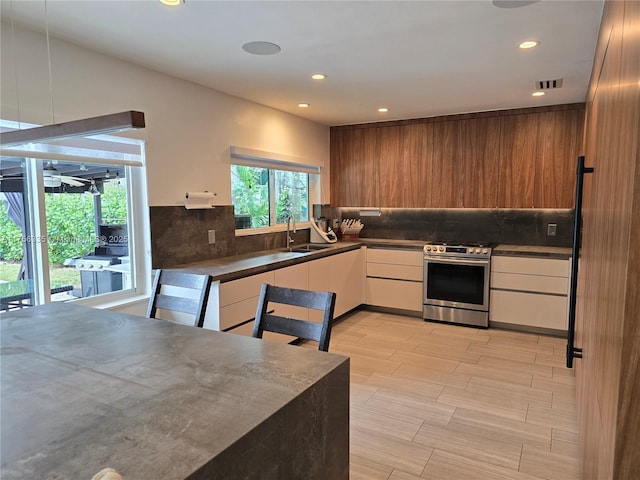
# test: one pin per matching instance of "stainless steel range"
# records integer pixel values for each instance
(456, 284)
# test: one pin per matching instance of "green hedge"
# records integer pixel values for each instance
(70, 224)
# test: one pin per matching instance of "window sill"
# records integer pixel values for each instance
(121, 301)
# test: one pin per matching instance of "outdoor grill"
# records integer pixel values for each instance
(95, 275)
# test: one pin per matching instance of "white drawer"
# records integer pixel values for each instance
(530, 283)
(395, 257)
(529, 309)
(400, 272)
(243, 288)
(552, 267)
(231, 315)
(394, 294)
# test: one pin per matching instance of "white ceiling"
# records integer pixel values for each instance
(418, 58)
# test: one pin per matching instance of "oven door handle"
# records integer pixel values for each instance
(461, 261)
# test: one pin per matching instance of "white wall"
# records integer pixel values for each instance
(189, 127)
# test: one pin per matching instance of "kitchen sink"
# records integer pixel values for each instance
(311, 247)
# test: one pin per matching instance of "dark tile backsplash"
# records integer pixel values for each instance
(467, 225)
(180, 236)
(268, 241)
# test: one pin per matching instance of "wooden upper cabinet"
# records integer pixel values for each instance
(481, 160)
(391, 172)
(559, 142)
(353, 175)
(447, 174)
(508, 159)
(518, 153)
(367, 176)
(342, 156)
(417, 159)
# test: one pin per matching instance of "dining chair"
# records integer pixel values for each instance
(267, 320)
(172, 301)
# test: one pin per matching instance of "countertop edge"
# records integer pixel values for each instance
(563, 253)
(394, 244)
(267, 266)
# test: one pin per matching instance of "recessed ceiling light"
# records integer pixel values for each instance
(383, 110)
(537, 94)
(261, 48)
(171, 3)
(303, 105)
(529, 44)
(318, 76)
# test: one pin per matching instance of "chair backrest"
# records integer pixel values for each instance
(164, 301)
(268, 321)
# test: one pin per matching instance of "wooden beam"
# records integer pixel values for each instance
(111, 123)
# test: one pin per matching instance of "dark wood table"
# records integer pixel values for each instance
(84, 389)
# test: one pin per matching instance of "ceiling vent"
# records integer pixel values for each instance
(548, 84)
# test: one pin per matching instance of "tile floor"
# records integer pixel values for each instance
(433, 401)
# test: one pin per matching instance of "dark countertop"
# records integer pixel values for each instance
(533, 251)
(84, 389)
(226, 269)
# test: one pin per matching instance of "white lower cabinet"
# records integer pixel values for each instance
(319, 276)
(530, 292)
(346, 279)
(394, 278)
(238, 299)
(342, 273)
(296, 276)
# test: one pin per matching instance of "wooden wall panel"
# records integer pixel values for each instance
(417, 160)
(608, 379)
(518, 154)
(480, 158)
(392, 178)
(447, 173)
(628, 422)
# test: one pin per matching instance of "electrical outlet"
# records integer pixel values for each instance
(551, 229)
(212, 237)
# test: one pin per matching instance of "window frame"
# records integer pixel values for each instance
(137, 219)
(313, 182)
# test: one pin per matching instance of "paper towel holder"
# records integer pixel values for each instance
(199, 200)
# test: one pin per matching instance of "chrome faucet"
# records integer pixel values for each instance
(289, 239)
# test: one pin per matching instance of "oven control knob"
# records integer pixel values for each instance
(485, 251)
(441, 249)
(90, 266)
(477, 250)
(100, 267)
(428, 248)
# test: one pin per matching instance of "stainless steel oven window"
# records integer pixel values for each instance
(457, 283)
